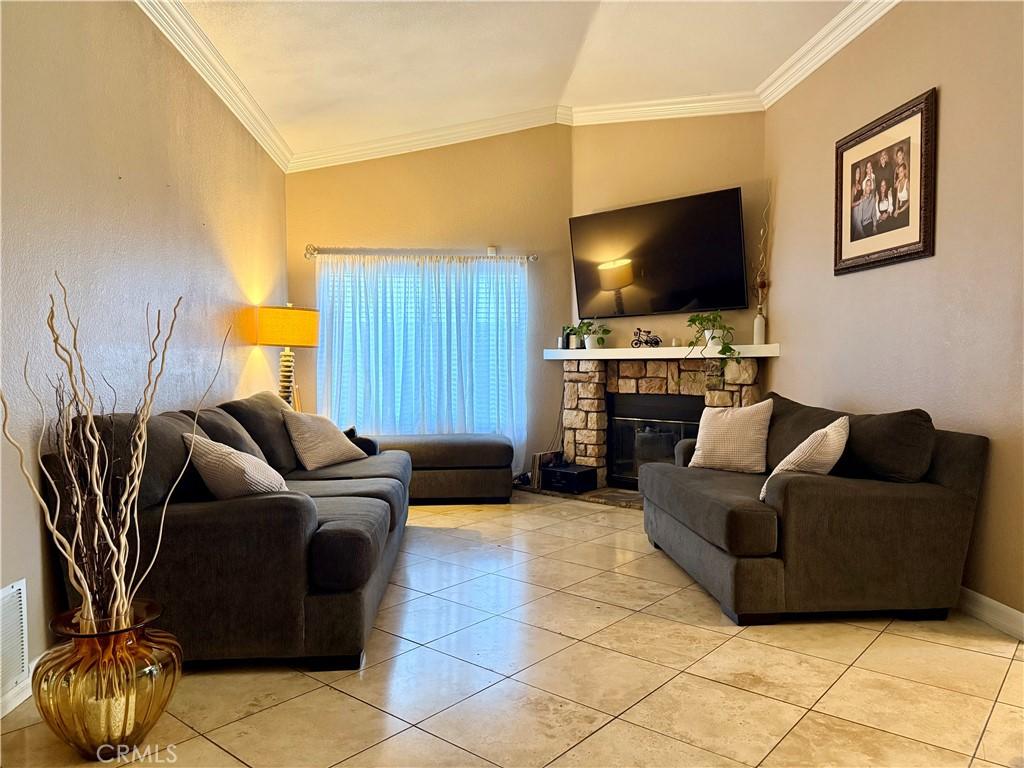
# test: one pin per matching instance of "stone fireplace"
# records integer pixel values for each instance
(588, 383)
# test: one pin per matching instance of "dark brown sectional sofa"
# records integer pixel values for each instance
(295, 574)
(888, 530)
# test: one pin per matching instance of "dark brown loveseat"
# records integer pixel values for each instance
(295, 574)
(887, 530)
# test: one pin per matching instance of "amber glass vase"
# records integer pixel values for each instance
(104, 687)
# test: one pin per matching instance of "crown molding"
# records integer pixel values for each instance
(173, 19)
(832, 38)
(561, 114)
(664, 109)
(437, 137)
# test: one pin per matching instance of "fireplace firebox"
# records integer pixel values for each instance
(646, 427)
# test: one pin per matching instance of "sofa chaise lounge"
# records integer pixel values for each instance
(888, 530)
(456, 467)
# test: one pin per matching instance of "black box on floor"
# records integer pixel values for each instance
(570, 478)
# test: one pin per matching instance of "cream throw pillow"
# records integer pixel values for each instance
(318, 442)
(734, 439)
(229, 473)
(817, 454)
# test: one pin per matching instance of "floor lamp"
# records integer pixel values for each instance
(287, 327)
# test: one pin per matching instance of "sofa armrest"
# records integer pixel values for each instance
(232, 575)
(369, 446)
(684, 451)
(852, 544)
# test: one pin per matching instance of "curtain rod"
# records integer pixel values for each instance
(312, 251)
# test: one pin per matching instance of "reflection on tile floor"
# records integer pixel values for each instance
(547, 631)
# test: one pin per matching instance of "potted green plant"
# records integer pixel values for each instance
(591, 332)
(710, 330)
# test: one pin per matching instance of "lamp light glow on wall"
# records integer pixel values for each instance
(614, 276)
(287, 327)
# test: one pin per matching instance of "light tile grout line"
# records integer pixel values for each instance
(889, 631)
(641, 699)
(816, 701)
(258, 711)
(992, 709)
(224, 749)
(864, 725)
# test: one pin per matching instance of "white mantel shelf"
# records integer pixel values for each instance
(659, 353)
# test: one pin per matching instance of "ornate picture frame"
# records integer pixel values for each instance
(885, 188)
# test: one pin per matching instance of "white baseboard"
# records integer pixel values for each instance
(18, 693)
(995, 614)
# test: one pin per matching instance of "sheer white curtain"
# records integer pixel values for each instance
(417, 343)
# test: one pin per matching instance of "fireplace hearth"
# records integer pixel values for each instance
(680, 388)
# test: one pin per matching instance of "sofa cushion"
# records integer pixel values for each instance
(887, 446)
(346, 548)
(394, 464)
(165, 456)
(817, 454)
(262, 419)
(733, 438)
(222, 427)
(464, 451)
(318, 442)
(383, 488)
(720, 507)
(229, 473)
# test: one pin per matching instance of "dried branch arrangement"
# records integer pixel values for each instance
(761, 283)
(96, 473)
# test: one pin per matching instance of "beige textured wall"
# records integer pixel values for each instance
(123, 171)
(943, 333)
(626, 164)
(511, 191)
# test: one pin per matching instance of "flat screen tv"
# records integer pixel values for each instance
(681, 255)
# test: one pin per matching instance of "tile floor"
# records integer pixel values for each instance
(549, 632)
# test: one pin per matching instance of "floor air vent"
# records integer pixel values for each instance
(14, 664)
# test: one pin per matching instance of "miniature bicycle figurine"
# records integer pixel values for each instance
(642, 338)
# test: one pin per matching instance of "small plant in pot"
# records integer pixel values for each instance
(591, 332)
(710, 331)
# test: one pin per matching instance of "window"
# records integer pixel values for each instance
(423, 344)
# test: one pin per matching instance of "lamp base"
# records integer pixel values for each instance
(286, 380)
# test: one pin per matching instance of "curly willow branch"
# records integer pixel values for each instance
(94, 520)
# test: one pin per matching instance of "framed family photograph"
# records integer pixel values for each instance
(885, 188)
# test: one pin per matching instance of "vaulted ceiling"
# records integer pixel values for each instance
(320, 83)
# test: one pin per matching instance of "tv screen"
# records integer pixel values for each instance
(681, 255)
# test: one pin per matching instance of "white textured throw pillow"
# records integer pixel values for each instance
(318, 442)
(229, 473)
(735, 439)
(817, 454)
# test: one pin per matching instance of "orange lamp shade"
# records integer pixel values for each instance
(287, 327)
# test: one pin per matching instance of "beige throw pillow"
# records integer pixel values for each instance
(318, 442)
(734, 439)
(229, 473)
(817, 454)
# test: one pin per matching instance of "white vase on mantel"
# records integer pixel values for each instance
(590, 342)
(759, 326)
